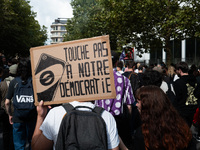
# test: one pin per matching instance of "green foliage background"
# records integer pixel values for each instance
(19, 31)
(145, 24)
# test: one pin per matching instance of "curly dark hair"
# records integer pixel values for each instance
(162, 126)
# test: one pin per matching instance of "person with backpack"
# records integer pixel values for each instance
(187, 93)
(132, 76)
(75, 125)
(20, 92)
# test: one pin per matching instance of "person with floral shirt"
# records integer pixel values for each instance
(124, 99)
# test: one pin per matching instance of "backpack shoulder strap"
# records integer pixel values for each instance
(18, 79)
(68, 107)
(98, 110)
(129, 77)
(29, 81)
(132, 73)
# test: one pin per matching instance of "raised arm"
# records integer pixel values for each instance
(39, 141)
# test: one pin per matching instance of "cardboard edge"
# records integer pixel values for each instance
(33, 79)
(106, 38)
(69, 42)
(61, 102)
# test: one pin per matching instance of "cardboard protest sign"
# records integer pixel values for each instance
(78, 70)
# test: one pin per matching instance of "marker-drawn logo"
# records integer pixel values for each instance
(48, 73)
(47, 78)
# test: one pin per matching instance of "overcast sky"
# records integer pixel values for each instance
(49, 10)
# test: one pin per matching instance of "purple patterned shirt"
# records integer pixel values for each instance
(114, 106)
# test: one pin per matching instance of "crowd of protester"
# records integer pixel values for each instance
(160, 108)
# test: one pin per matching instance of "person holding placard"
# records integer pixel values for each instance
(47, 126)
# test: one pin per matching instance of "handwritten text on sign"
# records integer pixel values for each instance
(78, 70)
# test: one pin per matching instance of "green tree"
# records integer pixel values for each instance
(146, 24)
(77, 27)
(165, 20)
(92, 19)
(19, 29)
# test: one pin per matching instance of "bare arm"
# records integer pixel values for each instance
(39, 141)
(116, 148)
(122, 146)
(129, 108)
(7, 105)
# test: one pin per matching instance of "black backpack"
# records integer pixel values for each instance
(23, 99)
(135, 81)
(82, 130)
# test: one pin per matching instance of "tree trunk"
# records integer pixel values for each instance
(168, 51)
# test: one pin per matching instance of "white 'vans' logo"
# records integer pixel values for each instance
(24, 99)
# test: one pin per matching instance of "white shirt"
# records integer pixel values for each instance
(51, 124)
(121, 72)
(164, 86)
(175, 77)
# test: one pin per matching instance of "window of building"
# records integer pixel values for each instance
(198, 48)
(156, 53)
(55, 28)
(55, 40)
(198, 51)
(156, 56)
(63, 28)
(190, 51)
(55, 34)
(62, 33)
(175, 47)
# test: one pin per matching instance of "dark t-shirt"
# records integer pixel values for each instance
(180, 89)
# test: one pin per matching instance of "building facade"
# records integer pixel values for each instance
(58, 30)
(187, 50)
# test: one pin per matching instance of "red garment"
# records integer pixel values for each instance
(196, 118)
